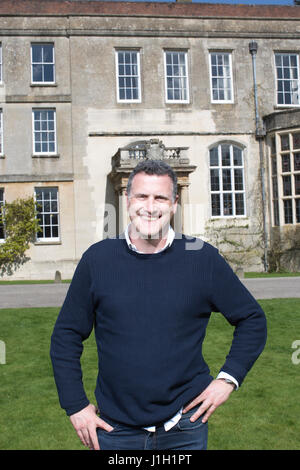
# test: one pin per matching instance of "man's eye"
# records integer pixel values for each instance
(161, 199)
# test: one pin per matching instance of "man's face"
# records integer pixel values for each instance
(150, 204)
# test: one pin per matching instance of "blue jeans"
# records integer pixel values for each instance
(185, 435)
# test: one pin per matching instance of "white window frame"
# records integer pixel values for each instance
(186, 76)
(46, 131)
(1, 133)
(217, 77)
(2, 200)
(138, 76)
(43, 82)
(1, 65)
(40, 238)
(280, 174)
(288, 79)
(233, 191)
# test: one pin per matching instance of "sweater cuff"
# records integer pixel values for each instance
(76, 408)
(224, 375)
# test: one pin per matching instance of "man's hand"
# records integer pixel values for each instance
(85, 423)
(213, 396)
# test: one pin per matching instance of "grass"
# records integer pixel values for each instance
(263, 414)
(249, 275)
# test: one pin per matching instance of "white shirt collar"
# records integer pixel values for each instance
(169, 241)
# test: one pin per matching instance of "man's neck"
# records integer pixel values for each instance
(148, 245)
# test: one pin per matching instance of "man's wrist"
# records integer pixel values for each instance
(228, 381)
(225, 375)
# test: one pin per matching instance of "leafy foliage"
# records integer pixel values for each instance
(20, 225)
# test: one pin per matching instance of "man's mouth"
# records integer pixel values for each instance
(149, 218)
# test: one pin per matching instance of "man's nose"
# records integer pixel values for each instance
(150, 204)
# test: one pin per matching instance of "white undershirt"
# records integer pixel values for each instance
(222, 375)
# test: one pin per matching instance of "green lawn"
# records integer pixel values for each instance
(263, 414)
(249, 275)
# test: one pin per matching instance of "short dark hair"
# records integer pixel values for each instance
(154, 167)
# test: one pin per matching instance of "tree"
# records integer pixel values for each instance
(20, 226)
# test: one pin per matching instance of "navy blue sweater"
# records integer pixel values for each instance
(150, 313)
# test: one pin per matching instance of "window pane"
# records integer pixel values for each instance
(214, 157)
(227, 204)
(215, 204)
(214, 180)
(296, 140)
(288, 211)
(48, 73)
(286, 164)
(238, 180)
(46, 207)
(226, 180)
(54, 231)
(54, 219)
(297, 184)
(239, 204)
(285, 144)
(36, 52)
(48, 53)
(296, 161)
(237, 156)
(37, 73)
(287, 186)
(225, 149)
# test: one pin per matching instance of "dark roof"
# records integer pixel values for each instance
(175, 9)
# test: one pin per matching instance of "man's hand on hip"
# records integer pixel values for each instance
(213, 396)
(85, 423)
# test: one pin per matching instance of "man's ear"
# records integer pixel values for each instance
(127, 199)
(175, 203)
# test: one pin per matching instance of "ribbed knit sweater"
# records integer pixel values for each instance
(150, 313)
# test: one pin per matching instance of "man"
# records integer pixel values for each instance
(149, 295)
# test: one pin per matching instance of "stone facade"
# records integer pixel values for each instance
(96, 129)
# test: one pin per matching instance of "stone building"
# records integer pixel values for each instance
(89, 88)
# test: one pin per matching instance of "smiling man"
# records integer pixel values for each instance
(151, 203)
(149, 298)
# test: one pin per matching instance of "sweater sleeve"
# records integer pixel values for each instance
(74, 324)
(230, 297)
